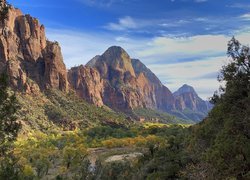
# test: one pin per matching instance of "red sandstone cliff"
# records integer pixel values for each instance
(27, 56)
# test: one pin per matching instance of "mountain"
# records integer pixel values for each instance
(125, 83)
(38, 75)
(112, 79)
(187, 100)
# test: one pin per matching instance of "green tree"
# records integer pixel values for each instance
(223, 138)
(9, 126)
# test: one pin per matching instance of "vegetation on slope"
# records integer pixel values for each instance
(150, 115)
(189, 115)
(55, 110)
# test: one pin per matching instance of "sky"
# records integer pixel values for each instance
(181, 41)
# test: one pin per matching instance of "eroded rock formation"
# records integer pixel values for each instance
(32, 62)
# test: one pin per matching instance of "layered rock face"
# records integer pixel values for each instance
(32, 62)
(87, 83)
(124, 83)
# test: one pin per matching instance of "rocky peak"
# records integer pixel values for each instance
(115, 52)
(127, 83)
(117, 59)
(187, 99)
(185, 89)
(28, 56)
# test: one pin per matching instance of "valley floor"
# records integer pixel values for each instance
(101, 152)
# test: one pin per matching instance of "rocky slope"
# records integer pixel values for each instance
(32, 62)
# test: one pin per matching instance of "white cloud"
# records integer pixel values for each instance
(200, 1)
(78, 48)
(201, 19)
(123, 24)
(207, 45)
(173, 23)
(245, 16)
(243, 36)
(142, 25)
(100, 3)
(122, 39)
(185, 45)
(240, 5)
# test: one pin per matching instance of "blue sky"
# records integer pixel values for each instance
(181, 41)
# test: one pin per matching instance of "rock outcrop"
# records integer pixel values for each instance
(87, 83)
(32, 62)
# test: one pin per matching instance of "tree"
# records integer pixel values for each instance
(223, 137)
(236, 95)
(237, 73)
(9, 126)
